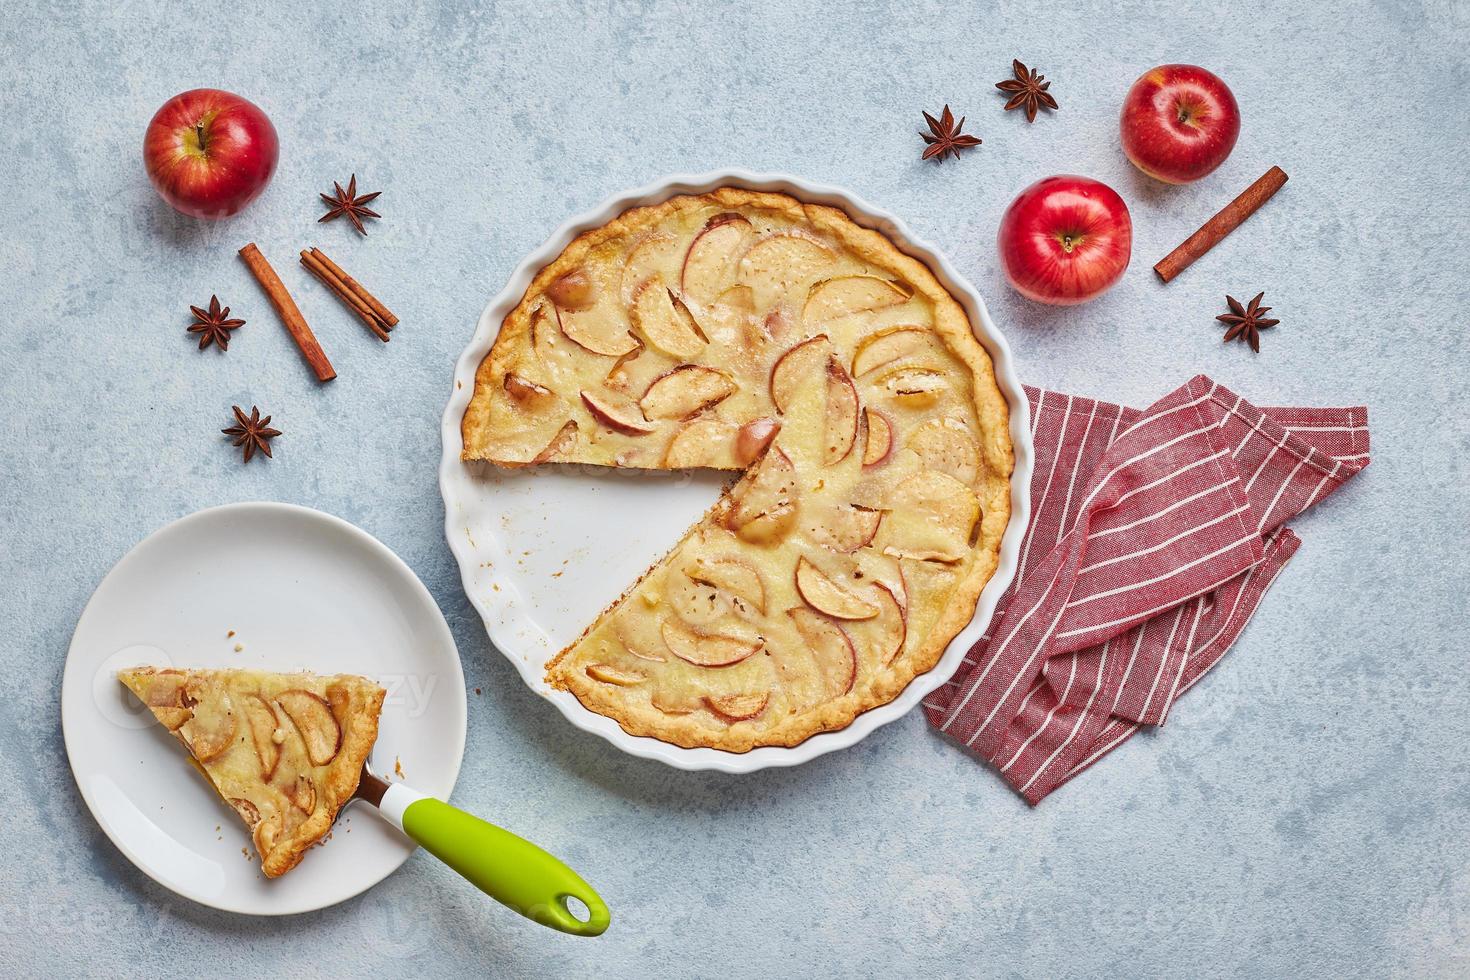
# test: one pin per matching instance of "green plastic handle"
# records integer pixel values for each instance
(510, 869)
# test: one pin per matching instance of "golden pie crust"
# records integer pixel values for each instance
(283, 750)
(748, 331)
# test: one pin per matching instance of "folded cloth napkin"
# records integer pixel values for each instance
(1153, 537)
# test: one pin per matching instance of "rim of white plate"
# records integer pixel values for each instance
(455, 477)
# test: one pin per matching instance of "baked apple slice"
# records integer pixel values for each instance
(915, 387)
(615, 418)
(885, 347)
(818, 590)
(685, 392)
(738, 707)
(561, 444)
(793, 369)
(738, 581)
(764, 505)
(839, 430)
(665, 322)
(845, 527)
(709, 265)
(705, 649)
(775, 263)
(833, 298)
(945, 444)
(933, 517)
(831, 649)
(753, 438)
(525, 392)
(601, 330)
(703, 443)
(608, 674)
(880, 438)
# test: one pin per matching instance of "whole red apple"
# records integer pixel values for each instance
(209, 153)
(1179, 123)
(1065, 239)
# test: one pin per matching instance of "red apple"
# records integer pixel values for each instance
(209, 153)
(1179, 123)
(1065, 239)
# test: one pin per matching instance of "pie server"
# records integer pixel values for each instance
(510, 869)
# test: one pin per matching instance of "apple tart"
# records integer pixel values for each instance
(284, 750)
(750, 332)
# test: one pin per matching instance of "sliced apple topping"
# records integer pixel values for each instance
(818, 590)
(945, 444)
(738, 707)
(736, 579)
(601, 330)
(890, 627)
(840, 426)
(709, 264)
(657, 255)
(763, 505)
(211, 730)
(617, 375)
(846, 527)
(915, 387)
(685, 392)
(666, 323)
(573, 290)
(932, 519)
(703, 442)
(303, 794)
(838, 297)
(753, 438)
(885, 347)
(880, 437)
(313, 719)
(705, 649)
(560, 445)
(608, 674)
(738, 298)
(615, 418)
(831, 649)
(264, 726)
(526, 392)
(777, 262)
(794, 368)
(643, 647)
(545, 327)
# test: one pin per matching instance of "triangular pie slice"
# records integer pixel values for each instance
(284, 750)
(747, 331)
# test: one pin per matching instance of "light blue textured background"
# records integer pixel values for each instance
(1303, 813)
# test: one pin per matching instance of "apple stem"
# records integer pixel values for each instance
(199, 135)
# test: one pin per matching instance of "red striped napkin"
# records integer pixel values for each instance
(1153, 537)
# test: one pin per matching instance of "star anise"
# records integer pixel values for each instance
(251, 431)
(1027, 90)
(347, 202)
(944, 137)
(213, 325)
(1247, 322)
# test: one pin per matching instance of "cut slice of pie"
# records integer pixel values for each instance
(284, 750)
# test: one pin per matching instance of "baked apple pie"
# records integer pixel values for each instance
(284, 750)
(750, 332)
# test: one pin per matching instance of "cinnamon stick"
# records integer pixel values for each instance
(384, 314)
(316, 268)
(1214, 231)
(275, 291)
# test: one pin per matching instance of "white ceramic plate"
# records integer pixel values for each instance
(302, 590)
(543, 550)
